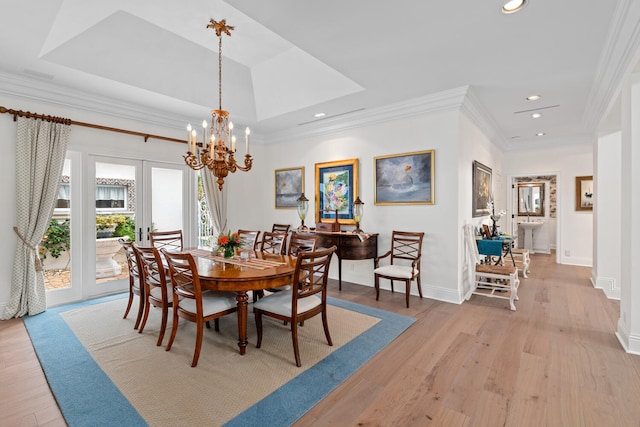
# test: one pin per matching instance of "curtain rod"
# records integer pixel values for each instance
(28, 114)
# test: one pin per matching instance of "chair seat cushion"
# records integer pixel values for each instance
(211, 303)
(156, 292)
(280, 303)
(399, 271)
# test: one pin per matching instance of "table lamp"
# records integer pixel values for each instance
(303, 207)
(357, 213)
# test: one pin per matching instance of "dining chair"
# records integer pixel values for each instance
(191, 303)
(406, 248)
(135, 282)
(306, 298)
(281, 228)
(171, 240)
(250, 239)
(273, 243)
(157, 290)
(297, 243)
(492, 281)
(301, 242)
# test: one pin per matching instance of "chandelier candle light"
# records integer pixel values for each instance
(218, 154)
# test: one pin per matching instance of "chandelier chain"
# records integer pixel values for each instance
(220, 71)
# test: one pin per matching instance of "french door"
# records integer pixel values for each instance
(118, 198)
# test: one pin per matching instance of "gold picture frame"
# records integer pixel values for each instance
(289, 184)
(405, 179)
(584, 193)
(336, 189)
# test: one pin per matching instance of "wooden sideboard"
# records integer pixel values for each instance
(350, 246)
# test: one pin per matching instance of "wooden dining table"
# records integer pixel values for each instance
(258, 272)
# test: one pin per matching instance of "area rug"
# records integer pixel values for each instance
(102, 372)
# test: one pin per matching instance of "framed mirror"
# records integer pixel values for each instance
(531, 199)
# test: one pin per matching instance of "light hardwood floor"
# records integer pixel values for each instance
(553, 362)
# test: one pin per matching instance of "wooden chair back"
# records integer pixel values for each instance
(250, 239)
(183, 273)
(154, 280)
(311, 274)
(280, 228)
(152, 273)
(274, 243)
(406, 245)
(486, 232)
(170, 240)
(132, 262)
(135, 282)
(301, 242)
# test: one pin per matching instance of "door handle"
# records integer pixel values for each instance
(140, 234)
(148, 231)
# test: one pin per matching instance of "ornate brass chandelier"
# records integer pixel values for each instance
(217, 154)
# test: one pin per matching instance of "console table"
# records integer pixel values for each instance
(350, 246)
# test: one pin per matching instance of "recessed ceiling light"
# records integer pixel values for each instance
(513, 6)
(317, 115)
(533, 97)
(540, 134)
(536, 115)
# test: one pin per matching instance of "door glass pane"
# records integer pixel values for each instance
(115, 207)
(55, 247)
(166, 199)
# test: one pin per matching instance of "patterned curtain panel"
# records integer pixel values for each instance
(40, 152)
(217, 201)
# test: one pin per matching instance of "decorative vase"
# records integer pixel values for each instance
(228, 252)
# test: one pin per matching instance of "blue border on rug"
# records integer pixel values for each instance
(85, 394)
(291, 401)
(93, 399)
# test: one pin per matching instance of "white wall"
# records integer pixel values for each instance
(607, 239)
(575, 228)
(254, 192)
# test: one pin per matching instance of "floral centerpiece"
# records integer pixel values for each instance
(228, 242)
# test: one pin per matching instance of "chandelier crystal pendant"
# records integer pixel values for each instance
(218, 153)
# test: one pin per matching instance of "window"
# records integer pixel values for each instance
(111, 197)
(64, 196)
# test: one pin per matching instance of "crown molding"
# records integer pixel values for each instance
(476, 112)
(50, 93)
(440, 101)
(617, 56)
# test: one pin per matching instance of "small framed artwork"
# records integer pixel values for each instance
(584, 193)
(406, 178)
(289, 185)
(336, 189)
(481, 195)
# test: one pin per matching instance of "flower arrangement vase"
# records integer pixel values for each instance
(228, 252)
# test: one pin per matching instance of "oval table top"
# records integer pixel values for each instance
(260, 271)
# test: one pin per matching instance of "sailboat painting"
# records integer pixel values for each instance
(405, 178)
